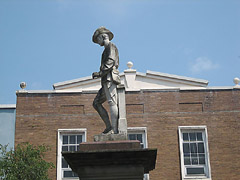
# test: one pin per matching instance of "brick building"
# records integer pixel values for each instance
(195, 128)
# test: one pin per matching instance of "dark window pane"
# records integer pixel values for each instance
(192, 136)
(194, 160)
(72, 148)
(64, 163)
(201, 158)
(139, 137)
(77, 148)
(185, 137)
(199, 137)
(132, 137)
(64, 148)
(142, 146)
(65, 139)
(195, 170)
(72, 139)
(193, 147)
(68, 174)
(75, 174)
(79, 139)
(200, 148)
(194, 155)
(187, 161)
(186, 148)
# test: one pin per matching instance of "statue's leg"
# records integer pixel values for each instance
(97, 104)
(111, 95)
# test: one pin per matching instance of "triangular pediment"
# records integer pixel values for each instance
(135, 81)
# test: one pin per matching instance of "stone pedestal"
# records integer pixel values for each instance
(110, 137)
(111, 160)
(122, 121)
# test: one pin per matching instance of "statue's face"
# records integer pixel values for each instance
(103, 39)
(100, 40)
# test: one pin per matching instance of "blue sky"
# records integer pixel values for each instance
(48, 41)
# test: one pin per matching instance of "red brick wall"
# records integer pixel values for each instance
(39, 116)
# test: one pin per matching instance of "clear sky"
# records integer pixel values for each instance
(48, 41)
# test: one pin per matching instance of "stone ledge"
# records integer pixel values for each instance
(109, 145)
(110, 137)
(145, 158)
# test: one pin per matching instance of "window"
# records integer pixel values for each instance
(68, 140)
(194, 152)
(139, 133)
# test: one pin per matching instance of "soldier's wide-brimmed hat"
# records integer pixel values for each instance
(102, 30)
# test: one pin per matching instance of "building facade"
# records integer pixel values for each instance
(194, 127)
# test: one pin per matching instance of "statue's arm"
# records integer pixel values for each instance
(106, 67)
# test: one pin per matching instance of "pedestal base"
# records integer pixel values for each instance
(113, 160)
(110, 137)
(114, 172)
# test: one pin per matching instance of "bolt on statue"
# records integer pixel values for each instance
(110, 78)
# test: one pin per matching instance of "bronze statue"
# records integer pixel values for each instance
(109, 75)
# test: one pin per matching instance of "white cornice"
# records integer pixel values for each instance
(73, 81)
(130, 90)
(7, 106)
(188, 80)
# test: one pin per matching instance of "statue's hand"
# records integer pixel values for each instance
(95, 75)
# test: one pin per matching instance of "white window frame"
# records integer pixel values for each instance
(61, 132)
(139, 130)
(203, 129)
(143, 131)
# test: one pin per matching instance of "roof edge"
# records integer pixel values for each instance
(130, 90)
(7, 106)
(172, 76)
(68, 82)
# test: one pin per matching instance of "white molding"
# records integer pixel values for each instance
(59, 145)
(201, 82)
(208, 168)
(140, 130)
(59, 84)
(127, 90)
(7, 106)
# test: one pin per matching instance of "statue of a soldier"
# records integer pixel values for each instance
(109, 75)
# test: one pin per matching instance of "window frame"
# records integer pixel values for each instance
(187, 129)
(61, 132)
(143, 131)
(139, 130)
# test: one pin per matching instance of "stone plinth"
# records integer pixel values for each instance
(122, 121)
(114, 160)
(110, 137)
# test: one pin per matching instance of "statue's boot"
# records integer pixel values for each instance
(108, 131)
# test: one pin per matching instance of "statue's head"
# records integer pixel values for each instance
(101, 34)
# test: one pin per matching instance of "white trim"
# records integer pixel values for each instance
(59, 146)
(127, 90)
(177, 77)
(208, 168)
(7, 106)
(72, 81)
(140, 130)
